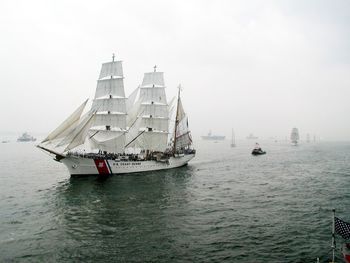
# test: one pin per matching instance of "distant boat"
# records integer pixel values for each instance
(211, 137)
(233, 140)
(26, 138)
(294, 136)
(5, 141)
(257, 150)
(251, 137)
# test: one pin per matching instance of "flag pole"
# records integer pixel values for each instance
(333, 236)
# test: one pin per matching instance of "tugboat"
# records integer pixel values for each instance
(257, 150)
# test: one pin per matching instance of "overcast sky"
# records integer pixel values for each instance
(260, 67)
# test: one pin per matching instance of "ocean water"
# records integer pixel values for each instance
(225, 206)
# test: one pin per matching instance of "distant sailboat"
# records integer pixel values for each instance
(294, 137)
(233, 140)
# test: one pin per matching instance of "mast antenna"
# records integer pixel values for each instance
(155, 68)
(113, 56)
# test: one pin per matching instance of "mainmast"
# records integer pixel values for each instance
(152, 113)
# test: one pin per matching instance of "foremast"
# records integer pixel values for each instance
(109, 128)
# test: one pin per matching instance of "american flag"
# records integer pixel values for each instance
(342, 228)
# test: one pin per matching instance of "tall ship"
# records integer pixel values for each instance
(25, 137)
(294, 136)
(211, 137)
(119, 134)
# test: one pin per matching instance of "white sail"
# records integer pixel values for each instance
(134, 130)
(171, 105)
(70, 122)
(110, 104)
(81, 132)
(131, 99)
(154, 123)
(155, 141)
(155, 109)
(133, 113)
(155, 79)
(73, 131)
(113, 68)
(111, 120)
(150, 140)
(107, 87)
(180, 111)
(110, 141)
(183, 135)
(183, 140)
(155, 94)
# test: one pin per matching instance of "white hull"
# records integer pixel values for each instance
(86, 166)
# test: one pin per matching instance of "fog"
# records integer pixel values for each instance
(260, 67)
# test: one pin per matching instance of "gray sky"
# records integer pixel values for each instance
(260, 67)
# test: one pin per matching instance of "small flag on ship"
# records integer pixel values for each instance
(342, 228)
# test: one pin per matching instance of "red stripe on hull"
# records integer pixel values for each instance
(346, 252)
(101, 166)
(347, 258)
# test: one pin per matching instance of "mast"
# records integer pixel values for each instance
(109, 126)
(150, 114)
(176, 118)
